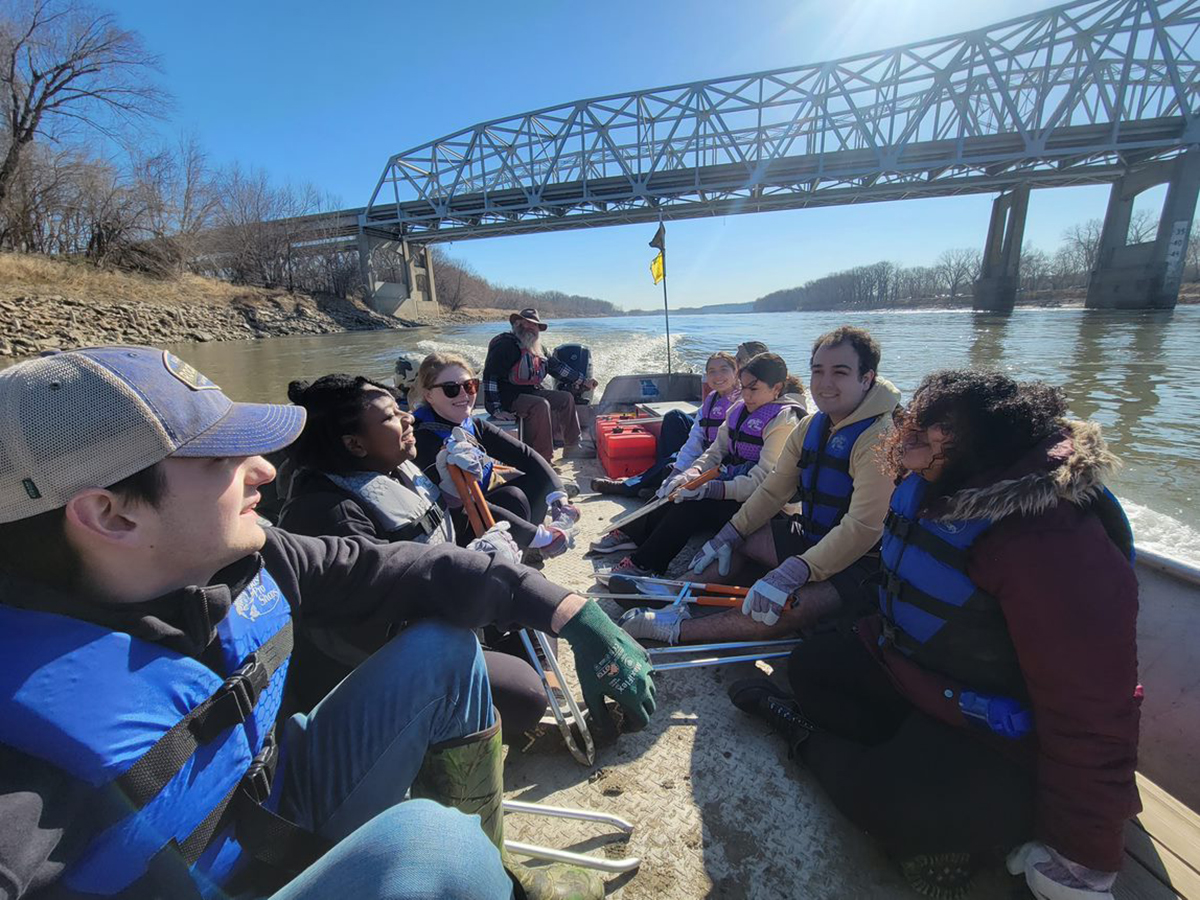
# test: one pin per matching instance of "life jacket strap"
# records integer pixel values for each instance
(908, 531)
(268, 836)
(428, 522)
(979, 608)
(231, 704)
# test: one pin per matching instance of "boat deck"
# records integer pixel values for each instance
(721, 812)
(719, 809)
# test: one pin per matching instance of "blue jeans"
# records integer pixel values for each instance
(348, 764)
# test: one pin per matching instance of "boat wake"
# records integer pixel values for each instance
(1161, 534)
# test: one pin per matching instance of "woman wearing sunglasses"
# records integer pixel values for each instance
(355, 477)
(444, 399)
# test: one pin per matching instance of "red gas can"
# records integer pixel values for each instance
(625, 450)
(609, 422)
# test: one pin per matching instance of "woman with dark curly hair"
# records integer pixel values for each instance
(991, 702)
(355, 477)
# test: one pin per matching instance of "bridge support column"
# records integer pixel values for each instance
(1146, 276)
(1000, 275)
(397, 275)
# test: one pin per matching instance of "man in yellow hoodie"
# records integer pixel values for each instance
(817, 517)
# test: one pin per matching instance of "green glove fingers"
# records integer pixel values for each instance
(610, 664)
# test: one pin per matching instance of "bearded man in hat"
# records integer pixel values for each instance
(513, 373)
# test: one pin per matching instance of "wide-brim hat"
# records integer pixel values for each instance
(529, 314)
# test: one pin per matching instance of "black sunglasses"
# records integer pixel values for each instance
(451, 388)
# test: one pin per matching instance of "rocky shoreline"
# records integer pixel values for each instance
(30, 324)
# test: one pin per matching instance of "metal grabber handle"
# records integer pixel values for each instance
(541, 655)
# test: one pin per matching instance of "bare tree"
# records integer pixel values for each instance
(1143, 227)
(1083, 241)
(457, 284)
(64, 63)
(1035, 266)
(958, 268)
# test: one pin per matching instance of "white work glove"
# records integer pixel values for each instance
(675, 481)
(497, 543)
(769, 595)
(720, 548)
(459, 450)
(1051, 876)
(560, 511)
(710, 490)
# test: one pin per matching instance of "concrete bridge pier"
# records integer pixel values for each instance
(1147, 275)
(398, 275)
(996, 288)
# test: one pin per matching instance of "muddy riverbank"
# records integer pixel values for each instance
(49, 304)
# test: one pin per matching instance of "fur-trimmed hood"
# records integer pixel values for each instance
(1071, 465)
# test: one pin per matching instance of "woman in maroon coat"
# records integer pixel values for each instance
(990, 704)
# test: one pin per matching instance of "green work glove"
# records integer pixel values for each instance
(610, 663)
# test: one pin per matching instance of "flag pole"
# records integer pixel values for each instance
(667, 315)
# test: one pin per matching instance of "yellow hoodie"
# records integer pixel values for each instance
(862, 525)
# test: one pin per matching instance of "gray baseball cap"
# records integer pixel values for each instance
(90, 418)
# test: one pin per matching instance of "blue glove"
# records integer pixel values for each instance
(769, 595)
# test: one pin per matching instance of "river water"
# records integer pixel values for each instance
(1138, 374)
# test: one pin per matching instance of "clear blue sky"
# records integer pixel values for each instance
(325, 92)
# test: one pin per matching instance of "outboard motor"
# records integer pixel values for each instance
(579, 358)
(405, 376)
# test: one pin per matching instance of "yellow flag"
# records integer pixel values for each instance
(658, 269)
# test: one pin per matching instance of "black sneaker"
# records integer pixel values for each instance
(761, 697)
(943, 876)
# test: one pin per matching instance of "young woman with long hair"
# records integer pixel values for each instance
(990, 703)
(444, 400)
(746, 447)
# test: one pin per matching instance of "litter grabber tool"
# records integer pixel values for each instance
(537, 645)
(727, 602)
(680, 656)
(667, 588)
(702, 478)
(541, 656)
(627, 864)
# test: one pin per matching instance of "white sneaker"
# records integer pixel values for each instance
(655, 624)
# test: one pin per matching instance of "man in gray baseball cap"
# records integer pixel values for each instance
(146, 632)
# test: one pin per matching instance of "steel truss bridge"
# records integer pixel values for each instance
(1075, 94)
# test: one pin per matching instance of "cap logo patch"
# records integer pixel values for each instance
(31, 489)
(188, 373)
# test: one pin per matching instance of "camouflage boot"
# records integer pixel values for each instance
(468, 775)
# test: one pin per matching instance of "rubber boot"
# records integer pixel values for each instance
(468, 775)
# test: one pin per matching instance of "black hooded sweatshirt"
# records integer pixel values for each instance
(46, 816)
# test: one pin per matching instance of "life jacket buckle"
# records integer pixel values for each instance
(897, 525)
(260, 776)
(893, 585)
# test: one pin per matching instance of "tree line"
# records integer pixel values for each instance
(948, 281)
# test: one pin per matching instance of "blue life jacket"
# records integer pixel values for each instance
(934, 613)
(746, 435)
(176, 750)
(824, 486)
(712, 414)
(428, 420)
